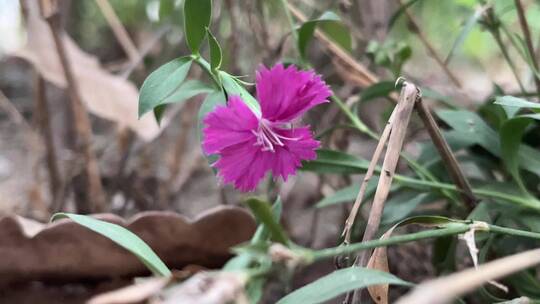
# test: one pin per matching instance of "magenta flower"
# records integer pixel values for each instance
(251, 144)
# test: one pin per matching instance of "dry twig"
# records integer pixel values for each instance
(447, 156)
(119, 30)
(94, 200)
(445, 289)
(369, 173)
(528, 40)
(44, 122)
(407, 99)
(431, 50)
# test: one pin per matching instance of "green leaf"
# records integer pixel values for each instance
(264, 215)
(348, 194)
(401, 205)
(340, 282)
(329, 161)
(469, 124)
(122, 237)
(263, 233)
(254, 289)
(186, 91)
(511, 134)
(380, 89)
(232, 87)
(215, 51)
(197, 15)
(512, 101)
(331, 24)
(162, 83)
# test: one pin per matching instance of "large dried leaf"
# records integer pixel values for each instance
(104, 94)
(379, 257)
(65, 250)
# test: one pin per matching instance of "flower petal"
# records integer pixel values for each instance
(288, 158)
(228, 125)
(243, 165)
(286, 93)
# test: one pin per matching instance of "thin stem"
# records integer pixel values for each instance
(494, 30)
(451, 229)
(431, 50)
(524, 202)
(290, 20)
(450, 161)
(94, 196)
(514, 232)
(528, 40)
(119, 30)
(206, 67)
(358, 124)
(435, 233)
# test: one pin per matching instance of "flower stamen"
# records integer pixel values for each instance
(267, 137)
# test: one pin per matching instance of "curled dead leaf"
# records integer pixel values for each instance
(65, 251)
(379, 261)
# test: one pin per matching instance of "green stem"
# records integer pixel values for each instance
(291, 24)
(451, 229)
(358, 124)
(514, 232)
(207, 68)
(523, 201)
(497, 36)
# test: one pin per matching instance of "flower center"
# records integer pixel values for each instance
(267, 138)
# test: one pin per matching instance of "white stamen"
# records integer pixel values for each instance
(268, 138)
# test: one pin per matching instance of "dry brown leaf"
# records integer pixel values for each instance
(66, 251)
(104, 94)
(207, 288)
(135, 293)
(379, 261)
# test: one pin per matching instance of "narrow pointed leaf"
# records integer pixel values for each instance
(264, 214)
(215, 51)
(512, 101)
(340, 282)
(123, 238)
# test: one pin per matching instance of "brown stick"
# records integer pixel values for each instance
(13, 113)
(527, 34)
(431, 50)
(445, 289)
(119, 30)
(369, 173)
(44, 122)
(366, 76)
(447, 156)
(407, 99)
(403, 111)
(95, 198)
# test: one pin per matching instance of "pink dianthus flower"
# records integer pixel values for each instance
(251, 144)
